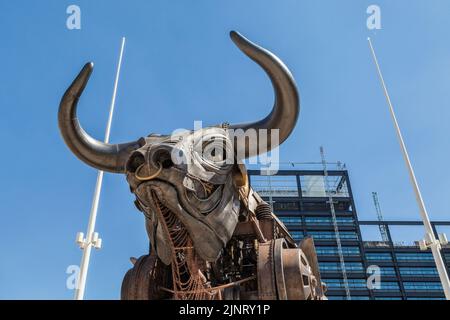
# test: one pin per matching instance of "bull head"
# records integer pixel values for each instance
(182, 182)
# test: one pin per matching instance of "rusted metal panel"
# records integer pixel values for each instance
(278, 250)
(309, 249)
(266, 276)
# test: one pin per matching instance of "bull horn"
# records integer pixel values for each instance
(100, 155)
(286, 106)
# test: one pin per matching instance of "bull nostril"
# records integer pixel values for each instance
(164, 158)
(135, 161)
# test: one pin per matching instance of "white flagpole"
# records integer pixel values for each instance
(430, 239)
(92, 239)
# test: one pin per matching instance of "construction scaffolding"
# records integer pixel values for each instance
(329, 192)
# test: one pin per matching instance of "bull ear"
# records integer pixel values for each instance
(285, 111)
(100, 155)
(133, 260)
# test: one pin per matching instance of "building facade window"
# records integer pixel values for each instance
(425, 298)
(275, 186)
(285, 205)
(414, 256)
(422, 272)
(297, 235)
(336, 298)
(352, 284)
(290, 221)
(330, 235)
(387, 271)
(316, 186)
(357, 283)
(389, 286)
(336, 267)
(422, 286)
(329, 221)
(378, 256)
(333, 251)
(333, 283)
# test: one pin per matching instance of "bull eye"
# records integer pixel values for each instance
(178, 157)
(214, 150)
(219, 155)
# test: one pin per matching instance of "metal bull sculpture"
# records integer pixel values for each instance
(211, 235)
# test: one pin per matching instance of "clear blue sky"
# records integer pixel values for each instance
(180, 66)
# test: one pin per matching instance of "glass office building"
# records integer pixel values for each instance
(300, 198)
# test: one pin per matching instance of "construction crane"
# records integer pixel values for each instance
(383, 230)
